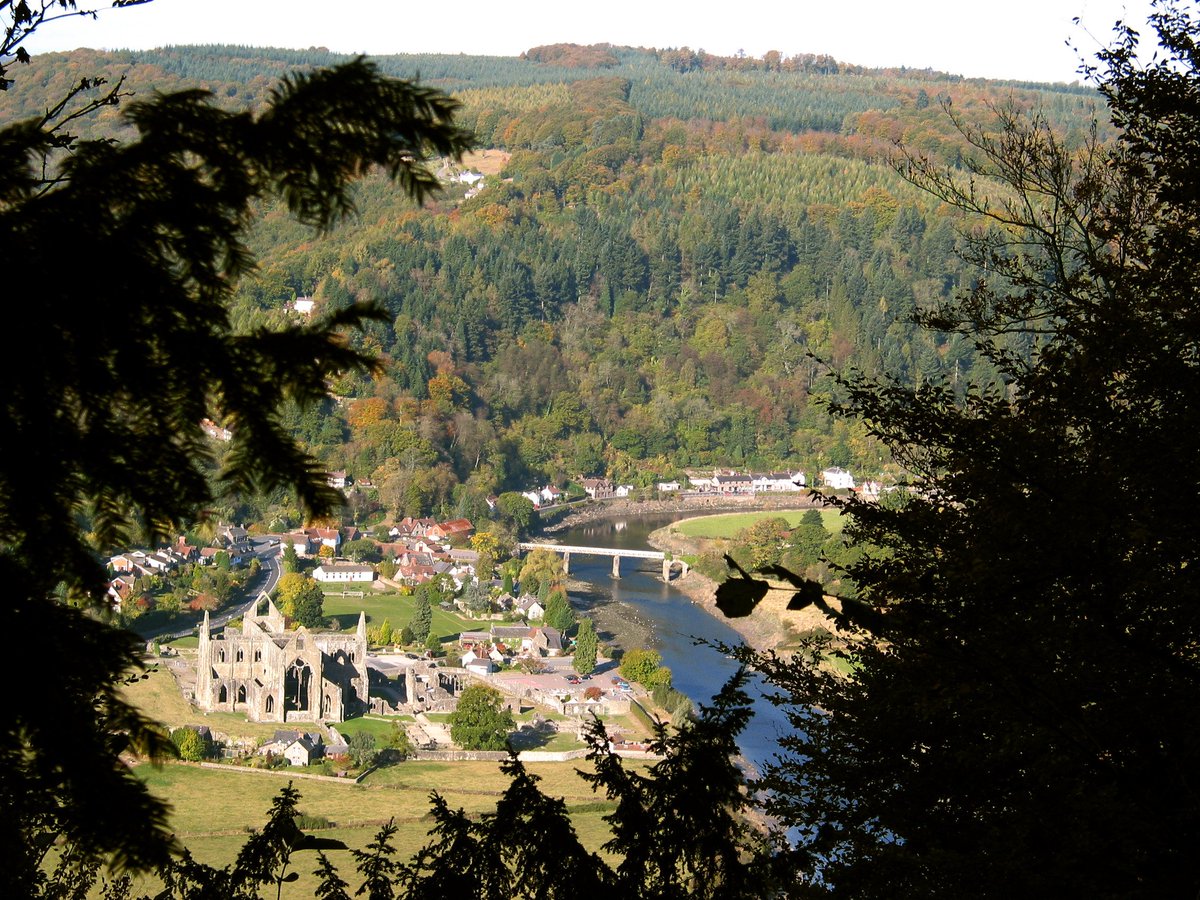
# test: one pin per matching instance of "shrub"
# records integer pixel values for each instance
(306, 822)
(190, 745)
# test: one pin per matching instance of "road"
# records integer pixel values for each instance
(268, 554)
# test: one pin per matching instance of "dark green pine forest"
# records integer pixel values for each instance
(676, 252)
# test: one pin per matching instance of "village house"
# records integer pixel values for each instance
(775, 482)
(733, 483)
(516, 640)
(410, 527)
(127, 562)
(463, 557)
(475, 640)
(508, 639)
(303, 750)
(416, 568)
(299, 748)
(335, 573)
(545, 641)
(597, 488)
(838, 479)
(869, 491)
(119, 589)
(183, 551)
(308, 541)
(451, 530)
(303, 306)
(530, 608)
(477, 664)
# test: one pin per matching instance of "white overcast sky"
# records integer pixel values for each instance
(1022, 39)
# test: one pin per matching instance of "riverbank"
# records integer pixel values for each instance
(684, 505)
(769, 627)
(764, 629)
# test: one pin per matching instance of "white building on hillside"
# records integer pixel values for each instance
(837, 479)
(343, 572)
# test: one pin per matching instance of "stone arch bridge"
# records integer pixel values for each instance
(617, 555)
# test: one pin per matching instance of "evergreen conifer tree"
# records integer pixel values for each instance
(121, 258)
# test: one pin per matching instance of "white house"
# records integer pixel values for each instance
(775, 482)
(480, 665)
(869, 490)
(343, 572)
(302, 751)
(667, 487)
(838, 479)
(534, 497)
(530, 606)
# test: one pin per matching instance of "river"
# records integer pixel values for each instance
(640, 610)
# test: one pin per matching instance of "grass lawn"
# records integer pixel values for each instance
(381, 728)
(543, 713)
(727, 526)
(554, 742)
(398, 610)
(159, 698)
(214, 809)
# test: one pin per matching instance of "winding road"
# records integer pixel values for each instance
(267, 551)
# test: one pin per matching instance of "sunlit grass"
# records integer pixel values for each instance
(727, 526)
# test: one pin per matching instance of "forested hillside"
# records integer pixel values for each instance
(677, 247)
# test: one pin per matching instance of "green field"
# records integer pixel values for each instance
(381, 728)
(159, 698)
(398, 610)
(213, 810)
(727, 526)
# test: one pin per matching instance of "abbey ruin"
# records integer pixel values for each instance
(271, 674)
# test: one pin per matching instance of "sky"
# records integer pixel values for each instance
(1017, 39)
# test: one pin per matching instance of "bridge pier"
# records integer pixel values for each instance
(666, 569)
(566, 563)
(616, 567)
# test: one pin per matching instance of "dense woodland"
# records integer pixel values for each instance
(679, 248)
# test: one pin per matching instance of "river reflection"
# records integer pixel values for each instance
(640, 609)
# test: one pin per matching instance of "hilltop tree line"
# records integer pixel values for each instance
(656, 283)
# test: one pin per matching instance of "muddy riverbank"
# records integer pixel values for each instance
(764, 629)
(769, 627)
